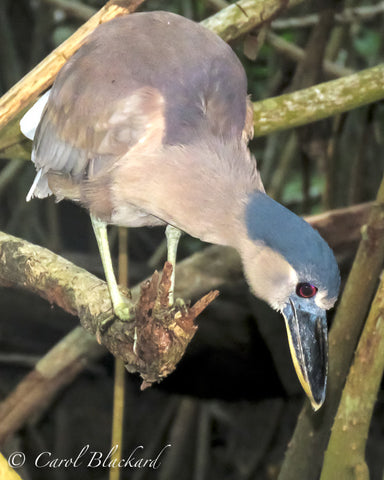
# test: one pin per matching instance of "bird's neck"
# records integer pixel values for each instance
(261, 245)
(220, 179)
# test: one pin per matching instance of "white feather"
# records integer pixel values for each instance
(31, 192)
(30, 121)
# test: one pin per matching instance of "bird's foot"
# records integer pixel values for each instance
(123, 312)
(180, 304)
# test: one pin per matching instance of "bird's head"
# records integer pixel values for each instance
(291, 267)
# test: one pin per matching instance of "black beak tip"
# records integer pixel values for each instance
(308, 340)
(317, 398)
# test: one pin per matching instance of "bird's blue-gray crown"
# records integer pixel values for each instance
(279, 229)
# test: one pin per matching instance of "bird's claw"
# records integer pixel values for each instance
(180, 304)
(104, 325)
(123, 312)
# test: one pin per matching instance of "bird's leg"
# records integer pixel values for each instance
(173, 235)
(120, 307)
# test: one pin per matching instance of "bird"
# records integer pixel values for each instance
(147, 124)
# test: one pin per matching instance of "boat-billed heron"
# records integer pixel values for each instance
(148, 124)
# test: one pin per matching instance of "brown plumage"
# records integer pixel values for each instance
(147, 120)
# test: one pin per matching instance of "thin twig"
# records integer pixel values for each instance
(20, 359)
(74, 9)
(279, 178)
(349, 15)
(119, 380)
(331, 69)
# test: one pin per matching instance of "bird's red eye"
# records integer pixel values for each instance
(306, 290)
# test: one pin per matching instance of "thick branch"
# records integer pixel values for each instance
(151, 344)
(241, 17)
(318, 102)
(345, 455)
(304, 459)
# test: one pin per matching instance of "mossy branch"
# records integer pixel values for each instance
(345, 455)
(305, 452)
(243, 16)
(151, 344)
(318, 102)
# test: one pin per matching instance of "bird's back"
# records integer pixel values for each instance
(199, 76)
(154, 77)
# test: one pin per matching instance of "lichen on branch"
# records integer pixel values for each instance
(151, 344)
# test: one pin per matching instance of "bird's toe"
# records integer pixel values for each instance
(123, 312)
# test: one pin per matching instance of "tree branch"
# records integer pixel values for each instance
(241, 17)
(297, 54)
(345, 455)
(151, 344)
(75, 9)
(318, 102)
(349, 15)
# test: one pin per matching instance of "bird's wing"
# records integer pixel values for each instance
(74, 142)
